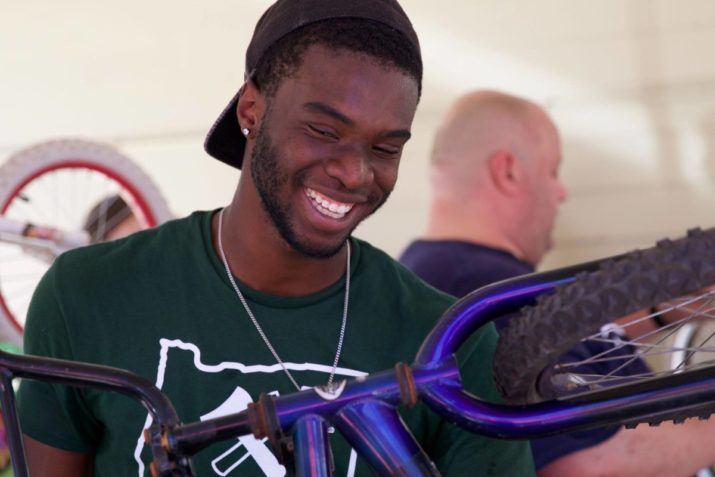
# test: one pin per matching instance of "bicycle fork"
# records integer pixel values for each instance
(371, 426)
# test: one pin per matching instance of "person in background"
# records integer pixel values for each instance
(270, 294)
(110, 219)
(495, 196)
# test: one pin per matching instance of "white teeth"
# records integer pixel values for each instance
(335, 210)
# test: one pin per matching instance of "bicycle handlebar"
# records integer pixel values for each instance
(75, 374)
(49, 240)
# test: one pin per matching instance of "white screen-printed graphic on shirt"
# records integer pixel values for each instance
(228, 463)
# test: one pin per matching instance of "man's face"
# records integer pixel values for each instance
(544, 194)
(327, 152)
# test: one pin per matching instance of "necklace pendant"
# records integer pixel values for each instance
(332, 391)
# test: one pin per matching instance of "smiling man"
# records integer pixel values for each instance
(271, 293)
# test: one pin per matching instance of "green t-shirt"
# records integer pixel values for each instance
(159, 304)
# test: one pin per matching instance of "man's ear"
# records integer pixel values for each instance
(505, 172)
(251, 106)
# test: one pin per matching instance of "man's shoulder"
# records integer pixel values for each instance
(388, 297)
(457, 251)
(388, 273)
(459, 267)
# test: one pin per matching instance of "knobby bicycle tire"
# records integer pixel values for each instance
(533, 341)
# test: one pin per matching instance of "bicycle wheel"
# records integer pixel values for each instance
(686, 341)
(538, 356)
(56, 184)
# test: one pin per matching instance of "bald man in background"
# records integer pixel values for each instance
(495, 196)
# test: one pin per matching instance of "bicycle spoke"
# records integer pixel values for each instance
(620, 353)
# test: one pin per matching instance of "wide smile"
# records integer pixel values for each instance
(327, 206)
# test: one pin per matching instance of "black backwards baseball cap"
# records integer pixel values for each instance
(225, 141)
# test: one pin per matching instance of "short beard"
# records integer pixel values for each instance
(269, 180)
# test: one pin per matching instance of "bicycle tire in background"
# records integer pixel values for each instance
(45, 165)
(532, 342)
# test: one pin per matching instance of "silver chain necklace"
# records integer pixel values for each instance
(258, 326)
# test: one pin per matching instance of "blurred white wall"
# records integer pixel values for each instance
(630, 82)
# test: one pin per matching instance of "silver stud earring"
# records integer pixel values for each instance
(246, 131)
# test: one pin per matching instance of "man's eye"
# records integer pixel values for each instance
(387, 151)
(323, 132)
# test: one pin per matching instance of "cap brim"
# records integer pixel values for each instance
(224, 140)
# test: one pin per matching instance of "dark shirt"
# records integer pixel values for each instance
(458, 268)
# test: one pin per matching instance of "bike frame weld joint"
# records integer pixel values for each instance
(406, 381)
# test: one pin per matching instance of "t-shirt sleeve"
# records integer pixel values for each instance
(53, 414)
(461, 453)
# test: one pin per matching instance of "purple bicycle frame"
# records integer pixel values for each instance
(364, 409)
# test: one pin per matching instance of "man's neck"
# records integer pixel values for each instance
(267, 263)
(463, 224)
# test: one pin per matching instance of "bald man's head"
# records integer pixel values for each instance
(496, 159)
(482, 123)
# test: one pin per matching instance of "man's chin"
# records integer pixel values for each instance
(316, 250)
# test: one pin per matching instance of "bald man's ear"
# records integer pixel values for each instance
(505, 172)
